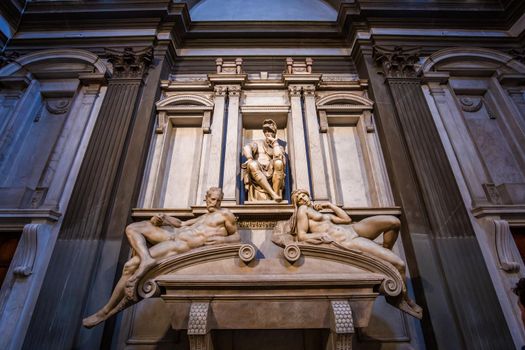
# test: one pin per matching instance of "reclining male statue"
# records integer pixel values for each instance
(170, 236)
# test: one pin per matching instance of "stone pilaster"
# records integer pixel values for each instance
(298, 155)
(465, 275)
(231, 175)
(85, 221)
(315, 151)
(213, 173)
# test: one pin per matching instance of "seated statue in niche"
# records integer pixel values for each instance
(170, 236)
(309, 225)
(264, 169)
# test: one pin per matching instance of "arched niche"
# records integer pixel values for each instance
(181, 137)
(476, 97)
(47, 100)
(356, 166)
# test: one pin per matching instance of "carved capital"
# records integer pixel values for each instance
(220, 90)
(309, 90)
(397, 62)
(128, 63)
(234, 90)
(294, 90)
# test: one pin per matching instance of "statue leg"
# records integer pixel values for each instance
(258, 176)
(373, 226)
(278, 177)
(139, 234)
(117, 297)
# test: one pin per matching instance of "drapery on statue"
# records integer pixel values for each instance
(308, 225)
(170, 236)
(263, 171)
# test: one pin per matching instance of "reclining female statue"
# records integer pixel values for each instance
(311, 226)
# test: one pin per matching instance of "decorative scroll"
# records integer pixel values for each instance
(27, 250)
(247, 253)
(504, 242)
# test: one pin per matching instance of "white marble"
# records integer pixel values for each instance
(351, 173)
(183, 161)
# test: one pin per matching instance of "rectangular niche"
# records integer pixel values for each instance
(181, 168)
(252, 130)
(349, 168)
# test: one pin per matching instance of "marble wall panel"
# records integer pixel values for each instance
(182, 167)
(350, 172)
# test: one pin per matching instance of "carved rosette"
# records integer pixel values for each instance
(397, 62)
(128, 63)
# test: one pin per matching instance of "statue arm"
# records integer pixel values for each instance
(171, 221)
(189, 222)
(230, 223)
(247, 151)
(340, 217)
(278, 151)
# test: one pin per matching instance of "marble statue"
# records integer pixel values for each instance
(309, 225)
(170, 237)
(264, 169)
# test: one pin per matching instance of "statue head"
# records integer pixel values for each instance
(269, 125)
(213, 198)
(300, 197)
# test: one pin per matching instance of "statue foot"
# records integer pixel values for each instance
(278, 199)
(410, 307)
(144, 266)
(95, 319)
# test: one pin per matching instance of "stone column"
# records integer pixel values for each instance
(77, 248)
(230, 176)
(211, 177)
(453, 245)
(315, 151)
(298, 154)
